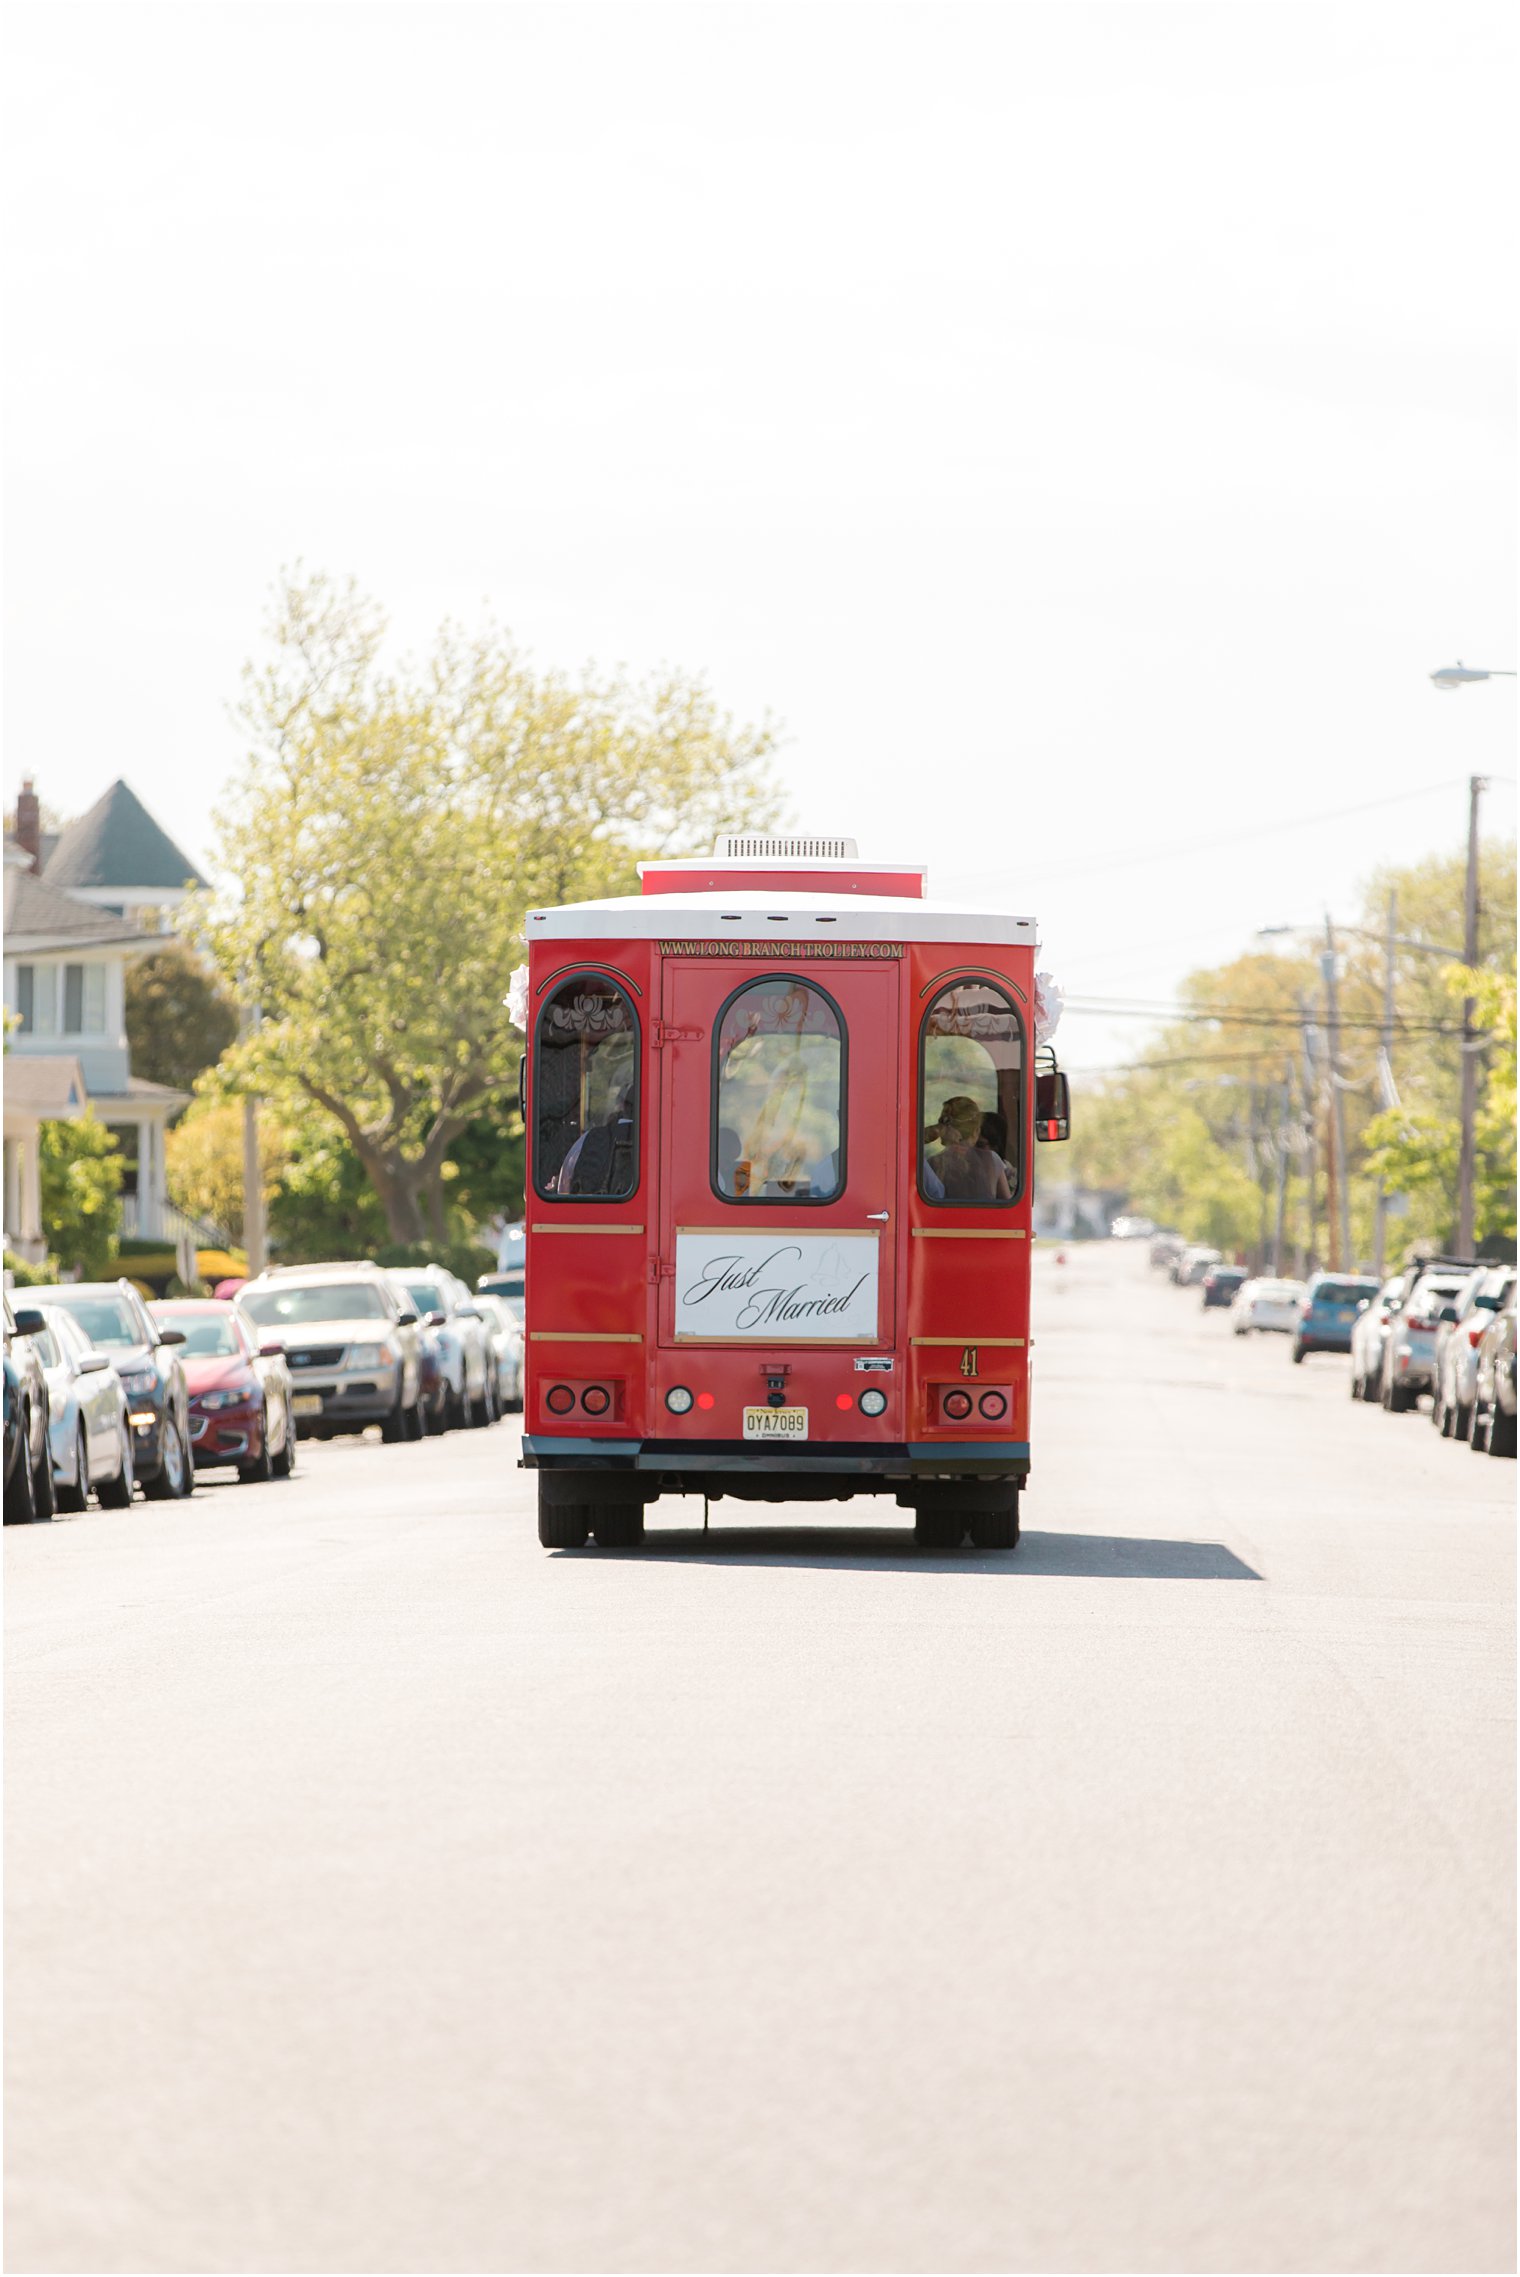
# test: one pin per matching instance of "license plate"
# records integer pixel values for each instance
(775, 1422)
(306, 1403)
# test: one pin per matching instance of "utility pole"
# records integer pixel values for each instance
(1385, 1077)
(1310, 1079)
(1337, 1183)
(1466, 1159)
(253, 1173)
(1282, 1173)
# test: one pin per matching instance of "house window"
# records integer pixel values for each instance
(37, 999)
(84, 1000)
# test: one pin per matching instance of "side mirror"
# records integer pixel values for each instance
(468, 1312)
(406, 1320)
(433, 1319)
(1447, 1312)
(271, 1351)
(171, 1336)
(29, 1321)
(91, 1363)
(1052, 1104)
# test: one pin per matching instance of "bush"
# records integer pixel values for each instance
(27, 1276)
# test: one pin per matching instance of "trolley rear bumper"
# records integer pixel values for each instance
(972, 1458)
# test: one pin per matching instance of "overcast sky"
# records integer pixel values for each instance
(1084, 426)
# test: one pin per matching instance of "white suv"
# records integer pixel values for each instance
(350, 1343)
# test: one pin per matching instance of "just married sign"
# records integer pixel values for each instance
(790, 1287)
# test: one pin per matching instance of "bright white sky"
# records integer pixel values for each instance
(1084, 426)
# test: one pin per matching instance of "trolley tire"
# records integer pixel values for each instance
(563, 1525)
(617, 1525)
(1501, 1432)
(1461, 1421)
(1298, 1358)
(938, 1529)
(996, 1529)
(1477, 1438)
(1356, 1387)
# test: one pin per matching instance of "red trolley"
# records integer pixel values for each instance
(781, 1111)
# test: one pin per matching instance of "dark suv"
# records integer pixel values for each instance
(117, 1322)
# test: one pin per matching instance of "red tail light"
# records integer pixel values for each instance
(1475, 1336)
(1421, 1327)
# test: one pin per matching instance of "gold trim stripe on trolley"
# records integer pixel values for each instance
(969, 1233)
(580, 1225)
(581, 1336)
(1012, 1343)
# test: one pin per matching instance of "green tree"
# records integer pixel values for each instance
(391, 830)
(180, 1019)
(1248, 1065)
(203, 1157)
(79, 1170)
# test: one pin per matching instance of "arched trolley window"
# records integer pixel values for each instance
(586, 1092)
(779, 1088)
(971, 1098)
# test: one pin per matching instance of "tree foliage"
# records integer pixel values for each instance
(180, 1019)
(1233, 1102)
(79, 1171)
(203, 1159)
(392, 828)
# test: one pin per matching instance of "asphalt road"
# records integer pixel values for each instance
(384, 1894)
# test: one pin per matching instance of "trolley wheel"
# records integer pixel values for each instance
(938, 1529)
(996, 1529)
(617, 1525)
(563, 1525)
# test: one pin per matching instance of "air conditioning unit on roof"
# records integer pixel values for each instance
(749, 849)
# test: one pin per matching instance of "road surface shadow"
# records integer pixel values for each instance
(1098, 1557)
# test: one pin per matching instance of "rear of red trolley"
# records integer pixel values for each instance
(781, 1111)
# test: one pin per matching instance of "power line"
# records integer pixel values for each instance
(1174, 851)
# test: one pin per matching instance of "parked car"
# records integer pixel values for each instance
(1493, 1419)
(1165, 1249)
(1486, 1291)
(114, 1319)
(1220, 1285)
(505, 1325)
(1331, 1304)
(462, 1340)
(89, 1427)
(1369, 1333)
(240, 1390)
(1188, 1269)
(350, 1344)
(1409, 1349)
(1267, 1307)
(28, 1458)
(1132, 1229)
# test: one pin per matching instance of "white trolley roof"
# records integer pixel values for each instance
(777, 916)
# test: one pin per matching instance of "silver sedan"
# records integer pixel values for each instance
(89, 1433)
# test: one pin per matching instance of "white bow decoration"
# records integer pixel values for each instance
(1048, 1001)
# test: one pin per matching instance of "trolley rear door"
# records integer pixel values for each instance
(780, 1112)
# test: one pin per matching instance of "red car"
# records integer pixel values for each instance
(239, 1390)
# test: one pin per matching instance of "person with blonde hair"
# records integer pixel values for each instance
(963, 1169)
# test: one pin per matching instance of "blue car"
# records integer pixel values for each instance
(1330, 1312)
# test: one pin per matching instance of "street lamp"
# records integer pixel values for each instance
(1451, 677)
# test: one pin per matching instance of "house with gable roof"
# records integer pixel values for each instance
(78, 909)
